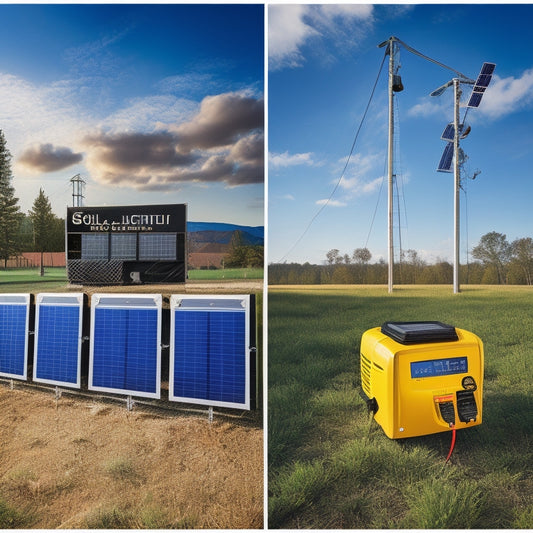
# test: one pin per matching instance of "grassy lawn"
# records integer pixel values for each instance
(331, 466)
(29, 280)
(227, 273)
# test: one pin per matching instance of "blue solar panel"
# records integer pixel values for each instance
(482, 82)
(210, 362)
(14, 321)
(125, 354)
(58, 338)
(445, 164)
(487, 68)
(449, 132)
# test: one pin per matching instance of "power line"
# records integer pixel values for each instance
(344, 169)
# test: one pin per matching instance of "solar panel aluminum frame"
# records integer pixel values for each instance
(177, 302)
(126, 302)
(59, 299)
(22, 299)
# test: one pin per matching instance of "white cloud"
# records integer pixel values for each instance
(331, 203)
(288, 160)
(355, 181)
(503, 97)
(287, 32)
(507, 95)
(428, 107)
(291, 27)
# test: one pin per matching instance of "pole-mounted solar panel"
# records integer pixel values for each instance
(481, 84)
(445, 163)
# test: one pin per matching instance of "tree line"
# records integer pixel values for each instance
(495, 261)
(40, 230)
(37, 231)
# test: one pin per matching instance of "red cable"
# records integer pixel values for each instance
(453, 443)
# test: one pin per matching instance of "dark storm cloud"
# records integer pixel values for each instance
(222, 143)
(49, 158)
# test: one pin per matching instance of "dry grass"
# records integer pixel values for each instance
(78, 463)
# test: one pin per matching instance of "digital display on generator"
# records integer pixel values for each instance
(439, 367)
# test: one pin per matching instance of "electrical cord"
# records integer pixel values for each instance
(452, 444)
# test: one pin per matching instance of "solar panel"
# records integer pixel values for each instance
(125, 351)
(445, 164)
(475, 99)
(487, 68)
(58, 339)
(14, 325)
(210, 350)
(482, 82)
(449, 132)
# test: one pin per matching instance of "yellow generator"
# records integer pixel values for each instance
(422, 377)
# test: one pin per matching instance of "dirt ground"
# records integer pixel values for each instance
(191, 287)
(88, 463)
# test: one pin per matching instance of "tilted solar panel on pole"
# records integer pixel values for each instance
(445, 164)
(481, 84)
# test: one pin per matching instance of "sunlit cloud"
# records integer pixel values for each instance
(288, 160)
(292, 27)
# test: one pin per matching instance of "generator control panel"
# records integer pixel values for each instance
(422, 377)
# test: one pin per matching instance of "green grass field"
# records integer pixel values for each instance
(331, 466)
(28, 279)
(227, 273)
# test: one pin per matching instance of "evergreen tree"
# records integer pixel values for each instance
(10, 215)
(43, 225)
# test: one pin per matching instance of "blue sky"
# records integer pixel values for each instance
(148, 103)
(323, 63)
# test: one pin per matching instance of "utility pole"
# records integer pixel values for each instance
(395, 85)
(390, 168)
(457, 184)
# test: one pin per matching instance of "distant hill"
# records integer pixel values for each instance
(256, 231)
(215, 237)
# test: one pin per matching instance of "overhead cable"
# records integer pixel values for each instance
(344, 169)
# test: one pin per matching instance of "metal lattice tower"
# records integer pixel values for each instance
(78, 185)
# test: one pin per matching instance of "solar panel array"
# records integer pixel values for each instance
(210, 350)
(58, 339)
(482, 82)
(211, 338)
(125, 351)
(448, 135)
(14, 321)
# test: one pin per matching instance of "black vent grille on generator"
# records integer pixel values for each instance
(365, 375)
(419, 332)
